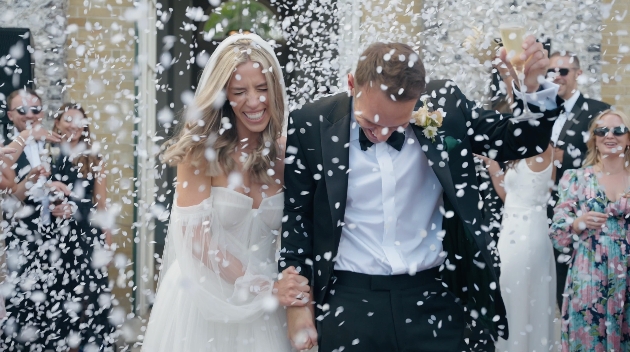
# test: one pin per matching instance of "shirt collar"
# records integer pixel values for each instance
(570, 103)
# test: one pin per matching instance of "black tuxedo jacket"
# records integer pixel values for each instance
(316, 184)
(571, 138)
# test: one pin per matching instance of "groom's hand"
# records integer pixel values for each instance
(536, 63)
(292, 289)
(301, 327)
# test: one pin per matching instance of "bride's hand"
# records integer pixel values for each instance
(292, 289)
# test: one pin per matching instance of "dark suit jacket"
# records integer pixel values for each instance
(316, 184)
(571, 138)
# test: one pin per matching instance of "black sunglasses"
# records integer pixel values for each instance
(23, 110)
(617, 131)
(560, 71)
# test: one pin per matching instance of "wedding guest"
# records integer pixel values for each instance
(81, 168)
(4, 183)
(592, 217)
(35, 313)
(569, 133)
(526, 253)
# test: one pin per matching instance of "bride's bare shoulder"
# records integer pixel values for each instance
(193, 183)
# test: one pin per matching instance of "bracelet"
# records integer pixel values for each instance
(23, 140)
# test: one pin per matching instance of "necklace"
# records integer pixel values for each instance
(625, 192)
(601, 166)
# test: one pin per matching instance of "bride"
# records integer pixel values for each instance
(217, 290)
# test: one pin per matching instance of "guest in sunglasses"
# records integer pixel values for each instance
(592, 217)
(35, 319)
(569, 134)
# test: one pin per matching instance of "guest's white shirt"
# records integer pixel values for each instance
(562, 119)
(33, 151)
(392, 219)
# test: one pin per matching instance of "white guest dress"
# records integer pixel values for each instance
(528, 271)
(215, 292)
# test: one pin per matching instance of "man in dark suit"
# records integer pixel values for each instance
(389, 235)
(30, 237)
(569, 134)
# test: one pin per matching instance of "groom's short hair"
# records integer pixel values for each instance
(393, 67)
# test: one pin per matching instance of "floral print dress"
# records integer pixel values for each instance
(596, 309)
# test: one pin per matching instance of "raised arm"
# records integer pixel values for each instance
(37, 133)
(504, 140)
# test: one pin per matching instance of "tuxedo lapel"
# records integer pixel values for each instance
(439, 165)
(335, 139)
(575, 117)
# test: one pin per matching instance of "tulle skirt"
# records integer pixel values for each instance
(177, 323)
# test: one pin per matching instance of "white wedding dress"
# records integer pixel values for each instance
(528, 272)
(215, 290)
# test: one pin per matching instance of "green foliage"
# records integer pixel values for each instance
(247, 16)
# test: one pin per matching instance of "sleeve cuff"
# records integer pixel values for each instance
(544, 98)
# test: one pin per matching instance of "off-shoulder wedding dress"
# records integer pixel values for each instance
(215, 289)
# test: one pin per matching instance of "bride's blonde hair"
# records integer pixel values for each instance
(592, 155)
(208, 141)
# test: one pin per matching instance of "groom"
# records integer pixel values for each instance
(383, 219)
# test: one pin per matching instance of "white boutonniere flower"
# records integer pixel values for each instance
(430, 121)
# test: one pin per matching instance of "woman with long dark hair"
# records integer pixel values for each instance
(80, 167)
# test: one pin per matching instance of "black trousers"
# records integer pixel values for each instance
(391, 313)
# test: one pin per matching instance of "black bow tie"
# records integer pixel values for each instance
(396, 140)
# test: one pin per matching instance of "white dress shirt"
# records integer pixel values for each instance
(562, 119)
(33, 151)
(392, 218)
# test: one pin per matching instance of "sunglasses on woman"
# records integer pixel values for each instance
(617, 131)
(559, 71)
(24, 110)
